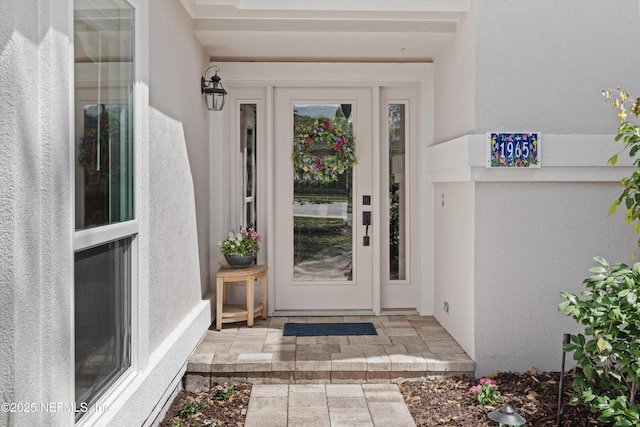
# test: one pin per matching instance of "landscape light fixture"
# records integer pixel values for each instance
(506, 416)
(214, 93)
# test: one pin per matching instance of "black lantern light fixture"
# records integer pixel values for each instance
(214, 93)
(506, 416)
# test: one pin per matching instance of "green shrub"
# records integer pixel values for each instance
(608, 353)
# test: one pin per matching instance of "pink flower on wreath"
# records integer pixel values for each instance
(338, 145)
(327, 124)
(318, 162)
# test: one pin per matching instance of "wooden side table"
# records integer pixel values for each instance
(226, 313)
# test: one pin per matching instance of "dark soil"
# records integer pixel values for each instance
(434, 402)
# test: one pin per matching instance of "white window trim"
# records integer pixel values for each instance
(88, 238)
(85, 239)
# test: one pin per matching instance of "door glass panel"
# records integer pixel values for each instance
(397, 193)
(322, 199)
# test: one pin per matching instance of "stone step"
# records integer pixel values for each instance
(406, 347)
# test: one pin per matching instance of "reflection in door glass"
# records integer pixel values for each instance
(397, 193)
(323, 180)
(248, 116)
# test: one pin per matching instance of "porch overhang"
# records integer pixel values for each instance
(346, 31)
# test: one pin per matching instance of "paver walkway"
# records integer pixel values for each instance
(327, 405)
(405, 347)
(326, 381)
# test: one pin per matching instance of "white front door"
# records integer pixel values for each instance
(324, 253)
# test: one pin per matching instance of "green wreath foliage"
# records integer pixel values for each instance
(322, 152)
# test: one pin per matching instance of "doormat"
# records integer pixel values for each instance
(328, 329)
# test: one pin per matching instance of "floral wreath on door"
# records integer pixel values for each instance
(322, 152)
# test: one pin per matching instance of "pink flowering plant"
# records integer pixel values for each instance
(245, 242)
(487, 392)
(223, 391)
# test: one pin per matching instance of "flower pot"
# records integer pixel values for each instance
(240, 261)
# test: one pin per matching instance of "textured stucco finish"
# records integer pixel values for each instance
(176, 62)
(178, 170)
(174, 277)
(36, 216)
(455, 83)
(35, 227)
(529, 65)
(534, 240)
(454, 258)
(541, 64)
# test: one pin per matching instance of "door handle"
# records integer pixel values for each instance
(366, 218)
(366, 221)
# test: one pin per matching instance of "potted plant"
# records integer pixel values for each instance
(240, 249)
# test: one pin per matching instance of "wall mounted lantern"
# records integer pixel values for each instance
(214, 93)
(506, 416)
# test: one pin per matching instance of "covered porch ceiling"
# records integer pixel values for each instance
(325, 30)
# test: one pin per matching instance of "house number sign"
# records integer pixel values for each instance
(513, 150)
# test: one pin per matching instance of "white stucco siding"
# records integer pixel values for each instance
(540, 64)
(174, 286)
(35, 226)
(454, 223)
(178, 170)
(455, 83)
(176, 62)
(534, 240)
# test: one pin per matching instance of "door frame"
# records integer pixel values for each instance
(255, 83)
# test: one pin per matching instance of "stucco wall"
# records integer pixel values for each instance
(540, 64)
(534, 240)
(537, 65)
(35, 226)
(178, 169)
(454, 258)
(36, 217)
(176, 62)
(455, 88)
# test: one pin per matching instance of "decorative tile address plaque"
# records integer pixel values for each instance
(513, 150)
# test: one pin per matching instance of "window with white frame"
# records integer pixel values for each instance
(105, 221)
(397, 200)
(248, 119)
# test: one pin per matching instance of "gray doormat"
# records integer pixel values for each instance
(328, 329)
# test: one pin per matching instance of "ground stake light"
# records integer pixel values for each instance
(506, 416)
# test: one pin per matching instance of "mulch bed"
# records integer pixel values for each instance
(433, 402)
(228, 413)
(448, 401)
